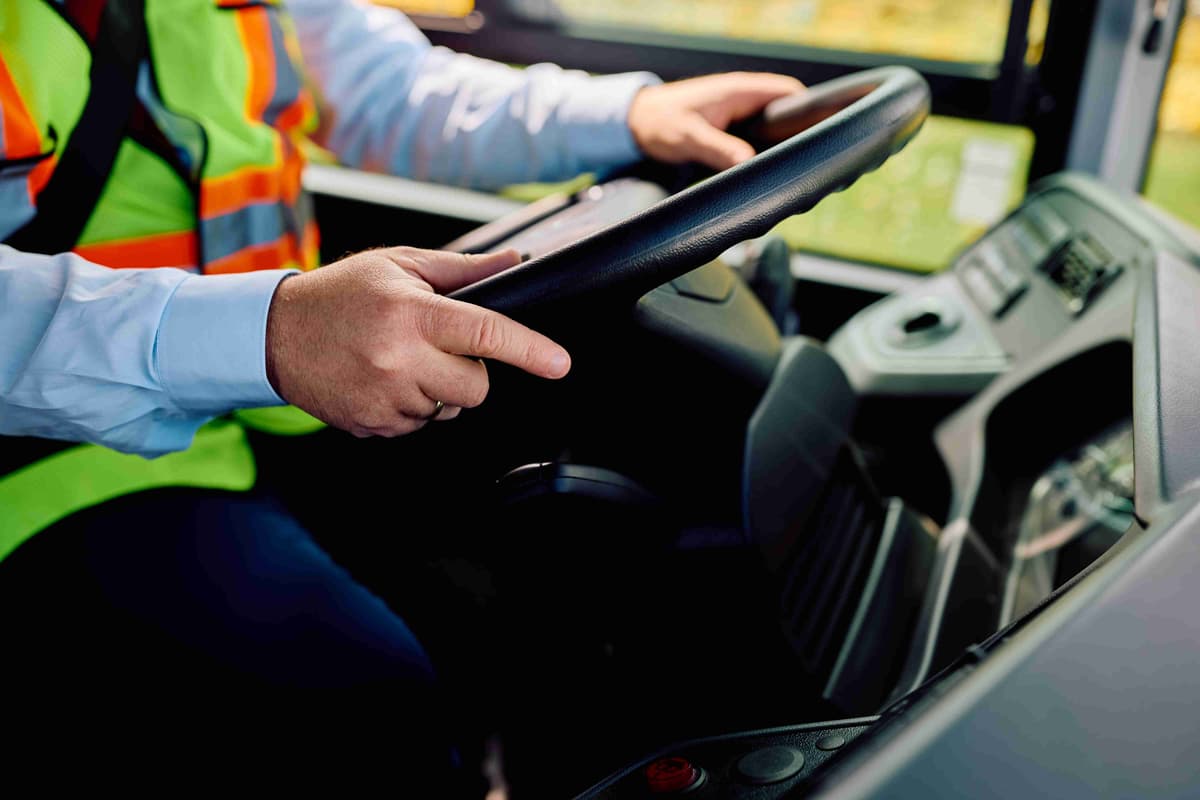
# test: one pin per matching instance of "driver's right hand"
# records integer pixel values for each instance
(369, 345)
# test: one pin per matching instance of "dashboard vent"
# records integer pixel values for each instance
(824, 574)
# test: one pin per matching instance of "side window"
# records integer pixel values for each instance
(1173, 173)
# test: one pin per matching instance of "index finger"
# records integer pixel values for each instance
(469, 330)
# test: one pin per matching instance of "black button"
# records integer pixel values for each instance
(831, 742)
(771, 764)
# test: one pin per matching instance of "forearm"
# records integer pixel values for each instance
(391, 102)
(136, 360)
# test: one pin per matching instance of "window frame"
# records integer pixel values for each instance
(1116, 123)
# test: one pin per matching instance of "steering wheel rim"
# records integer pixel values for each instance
(862, 119)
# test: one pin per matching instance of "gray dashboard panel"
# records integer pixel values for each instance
(1098, 694)
(1097, 697)
(880, 359)
(1043, 336)
(1095, 692)
(1170, 374)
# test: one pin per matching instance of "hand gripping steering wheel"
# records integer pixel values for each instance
(829, 136)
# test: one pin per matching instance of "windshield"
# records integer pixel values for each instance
(956, 179)
(967, 31)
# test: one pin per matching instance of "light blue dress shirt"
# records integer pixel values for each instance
(138, 360)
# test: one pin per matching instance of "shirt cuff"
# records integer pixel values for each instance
(210, 354)
(597, 119)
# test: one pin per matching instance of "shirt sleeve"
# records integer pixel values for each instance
(391, 102)
(136, 360)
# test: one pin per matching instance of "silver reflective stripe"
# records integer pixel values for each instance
(257, 224)
(16, 207)
(287, 80)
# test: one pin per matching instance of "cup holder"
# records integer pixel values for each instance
(923, 322)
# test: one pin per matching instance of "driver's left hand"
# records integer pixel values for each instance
(686, 120)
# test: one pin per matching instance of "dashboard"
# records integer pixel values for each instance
(1040, 455)
(1068, 336)
(1056, 261)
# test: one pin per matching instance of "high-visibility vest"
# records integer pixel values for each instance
(207, 179)
(223, 100)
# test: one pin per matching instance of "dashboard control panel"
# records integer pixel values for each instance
(1008, 295)
(999, 270)
(758, 765)
(1080, 271)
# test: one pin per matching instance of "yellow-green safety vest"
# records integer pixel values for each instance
(221, 193)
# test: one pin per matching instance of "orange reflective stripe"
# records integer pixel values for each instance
(40, 176)
(179, 250)
(21, 138)
(161, 250)
(219, 196)
(254, 27)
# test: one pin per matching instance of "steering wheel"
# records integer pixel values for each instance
(829, 136)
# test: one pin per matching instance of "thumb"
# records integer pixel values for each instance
(712, 146)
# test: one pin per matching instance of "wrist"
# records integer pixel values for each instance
(637, 111)
(276, 325)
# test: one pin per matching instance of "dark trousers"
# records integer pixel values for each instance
(191, 620)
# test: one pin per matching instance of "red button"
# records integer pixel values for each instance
(671, 774)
